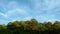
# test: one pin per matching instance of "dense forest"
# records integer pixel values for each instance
(30, 27)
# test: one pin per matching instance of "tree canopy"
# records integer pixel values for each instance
(30, 27)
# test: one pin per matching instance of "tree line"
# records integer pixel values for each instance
(30, 27)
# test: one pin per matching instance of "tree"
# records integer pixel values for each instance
(49, 25)
(42, 27)
(15, 27)
(27, 25)
(56, 25)
(34, 24)
(3, 29)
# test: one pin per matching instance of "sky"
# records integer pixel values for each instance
(41, 10)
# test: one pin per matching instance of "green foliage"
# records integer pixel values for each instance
(30, 27)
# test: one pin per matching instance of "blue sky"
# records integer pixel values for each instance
(42, 10)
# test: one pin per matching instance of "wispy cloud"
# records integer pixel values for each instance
(42, 10)
(3, 15)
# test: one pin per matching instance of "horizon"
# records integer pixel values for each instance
(41, 10)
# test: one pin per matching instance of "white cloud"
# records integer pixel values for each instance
(17, 11)
(43, 18)
(3, 15)
(12, 5)
(28, 18)
(12, 8)
(43, 10)
(48, 5)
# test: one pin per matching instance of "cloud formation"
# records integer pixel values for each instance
(42, 10)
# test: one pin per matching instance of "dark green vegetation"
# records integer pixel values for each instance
(30, 27)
